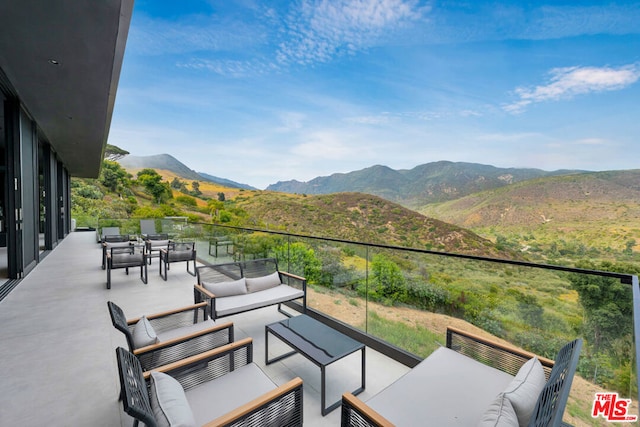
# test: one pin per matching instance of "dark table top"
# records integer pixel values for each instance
(315, 339)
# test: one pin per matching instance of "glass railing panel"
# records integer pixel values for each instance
(334, 272)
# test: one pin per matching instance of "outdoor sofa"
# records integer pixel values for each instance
(472, 382)
(236, 287)
(220, 387)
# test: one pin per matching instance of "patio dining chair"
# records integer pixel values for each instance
(178, 252)
(155, 243)
(221, 387)
(132, 255)
(106, 231)
(165, 337)
(113, 241)
(147, 227)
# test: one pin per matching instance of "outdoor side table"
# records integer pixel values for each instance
(317, 342)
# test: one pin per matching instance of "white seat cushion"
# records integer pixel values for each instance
(239, 303)
(215, 398)
(445, 389)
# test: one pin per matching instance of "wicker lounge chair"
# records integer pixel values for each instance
(132, 255)
(155, 243)
(178, 252)
(470, 381)
(221, 387)
(178, 333)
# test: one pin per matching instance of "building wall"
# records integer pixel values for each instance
(36, 191)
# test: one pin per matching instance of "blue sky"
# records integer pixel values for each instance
(265, 91)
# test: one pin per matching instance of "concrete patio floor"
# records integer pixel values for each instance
(58, 364)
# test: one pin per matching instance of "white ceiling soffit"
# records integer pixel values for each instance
(63, 58)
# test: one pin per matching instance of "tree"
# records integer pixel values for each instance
(299, 259)
(153, 185)
(195, 188)
(176, 184)
(387, 278)
(113, 153)
(608, 303)
(221, 196)
(113, 176)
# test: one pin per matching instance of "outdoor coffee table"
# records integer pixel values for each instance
(317, 342)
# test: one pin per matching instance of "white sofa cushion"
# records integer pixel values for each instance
(445, 389)
(525, 388)
(499, 414)
(227, 289)
(143, 333)
(256, 284)
(239, 303)
(213, 399)
(169, 403)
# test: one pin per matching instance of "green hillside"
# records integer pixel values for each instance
(595, 212)
(365, 218)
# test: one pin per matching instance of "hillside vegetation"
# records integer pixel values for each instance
(591, 214)
(364, 218)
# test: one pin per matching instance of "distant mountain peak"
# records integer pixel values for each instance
(168, 162)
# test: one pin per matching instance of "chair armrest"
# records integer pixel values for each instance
(167, 313)
(204, 291)
(357, 413)
(241, 351)
(291, 390)
(505, 358)
(185, 346)
(183, 338)
(293, 276)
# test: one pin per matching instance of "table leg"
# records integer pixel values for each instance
(266, 350)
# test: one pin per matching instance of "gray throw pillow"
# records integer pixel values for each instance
(524, 389)
(262, 283)
(143, 333)
(499, 414)
(226, 289)
(169, 403)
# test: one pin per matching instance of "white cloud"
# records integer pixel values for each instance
(508, 137)
(592, 141)
(291, 121)
(321, 29)
(325, 145)
(566, 83)
(381, 119)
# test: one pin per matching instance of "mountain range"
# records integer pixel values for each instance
(428, 183)
(599, 209)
